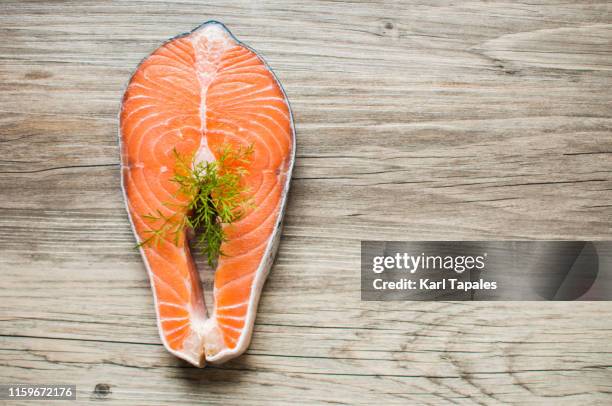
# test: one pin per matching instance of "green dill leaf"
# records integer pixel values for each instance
(214, 196)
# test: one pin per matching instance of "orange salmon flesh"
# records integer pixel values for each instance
(196, 94)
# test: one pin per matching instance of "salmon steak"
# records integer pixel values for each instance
(194, 94)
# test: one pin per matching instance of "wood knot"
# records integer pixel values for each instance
(389, 29)
(101, 390)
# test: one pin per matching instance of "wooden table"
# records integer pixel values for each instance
(415, 121)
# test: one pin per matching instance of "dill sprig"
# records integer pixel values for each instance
(214, 196)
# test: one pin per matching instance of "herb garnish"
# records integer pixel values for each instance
(215, 196)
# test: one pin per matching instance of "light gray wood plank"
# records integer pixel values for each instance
(415, 120)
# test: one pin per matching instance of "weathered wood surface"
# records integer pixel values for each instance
(424, 120)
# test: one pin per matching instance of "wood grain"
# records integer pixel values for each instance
(415, 121)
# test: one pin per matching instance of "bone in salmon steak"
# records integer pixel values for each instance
(195, 94)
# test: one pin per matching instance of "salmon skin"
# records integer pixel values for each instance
(195, 94)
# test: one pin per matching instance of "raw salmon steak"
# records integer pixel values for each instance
(195, 94)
